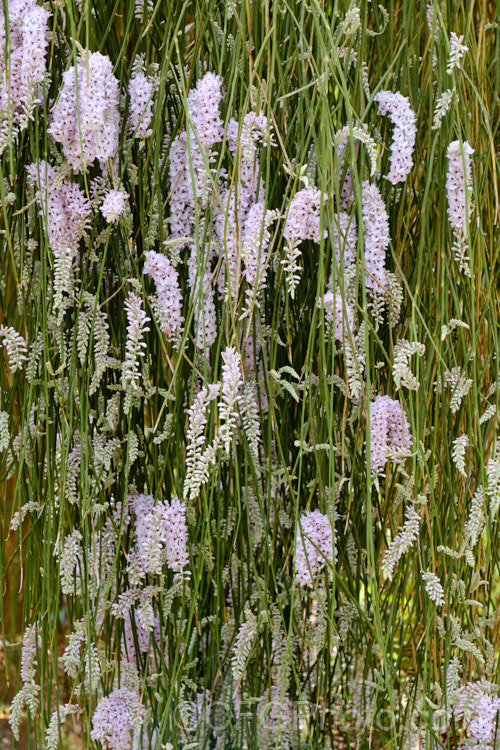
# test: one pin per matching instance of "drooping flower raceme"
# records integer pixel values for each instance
(345, 238)
(235, 203)
(376, 236)
(135, 345)
(302, 223)
(433, 588)
(203, 108)
(15, 346)
(389, 431)
(162, 537)
(405, 130)
(65, 211)
(313, 546)
(115, 717)
(243, 142)
(402, 541)
(199, 456)
(22, 65)
(232, 382)
(168, 294)
(458, 185)
(203, 298)
(256, 238)
(338, 314)
(29, 693)
(85, 118)
(140, 112)
(114, 205)
(457, 51)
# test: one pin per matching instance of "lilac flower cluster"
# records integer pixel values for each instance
(458, 185)
(477, 707)
(313, 546)
(190, 180)
(168, 294)
(405, 130)
(113, 205)
(140, 113)
(302, 223)
(233, 211)
(303, 218)
(22, 65)
(203, 109)
(389, 431)
(256, 238)
(376, 236)
(115, 717)
(190, 154)
(243, 142)
(85, 118)
(65, 211)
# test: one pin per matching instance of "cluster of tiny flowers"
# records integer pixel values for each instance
(433, 588)
(4, 434)
(232, 382)
(302, 223)
(479, 710)
(29, 693)
(314, 546)
(405, 130)
(458, 185)
(115, 717)
(458, 453)
(493, 474)
(140, 111)
(22, 66)
(244, 640)
(65, 211)
(113, 205)
(135, 345)
(275, 717)
(389, 431)
(203, 108)
(15, 346)
(237, 206)
(203, 295)
(475, 521)
(198, 456)
(162, 537)
(402, 542)
(457, 51)
(338, 314)
(459, 386)
(402, 374)
(256, 238)
(303, 218)
(253, 129)
(168, 294)
(443, 104)
(85, 118)
(376, 236)
(181, 219)
(345, 238)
